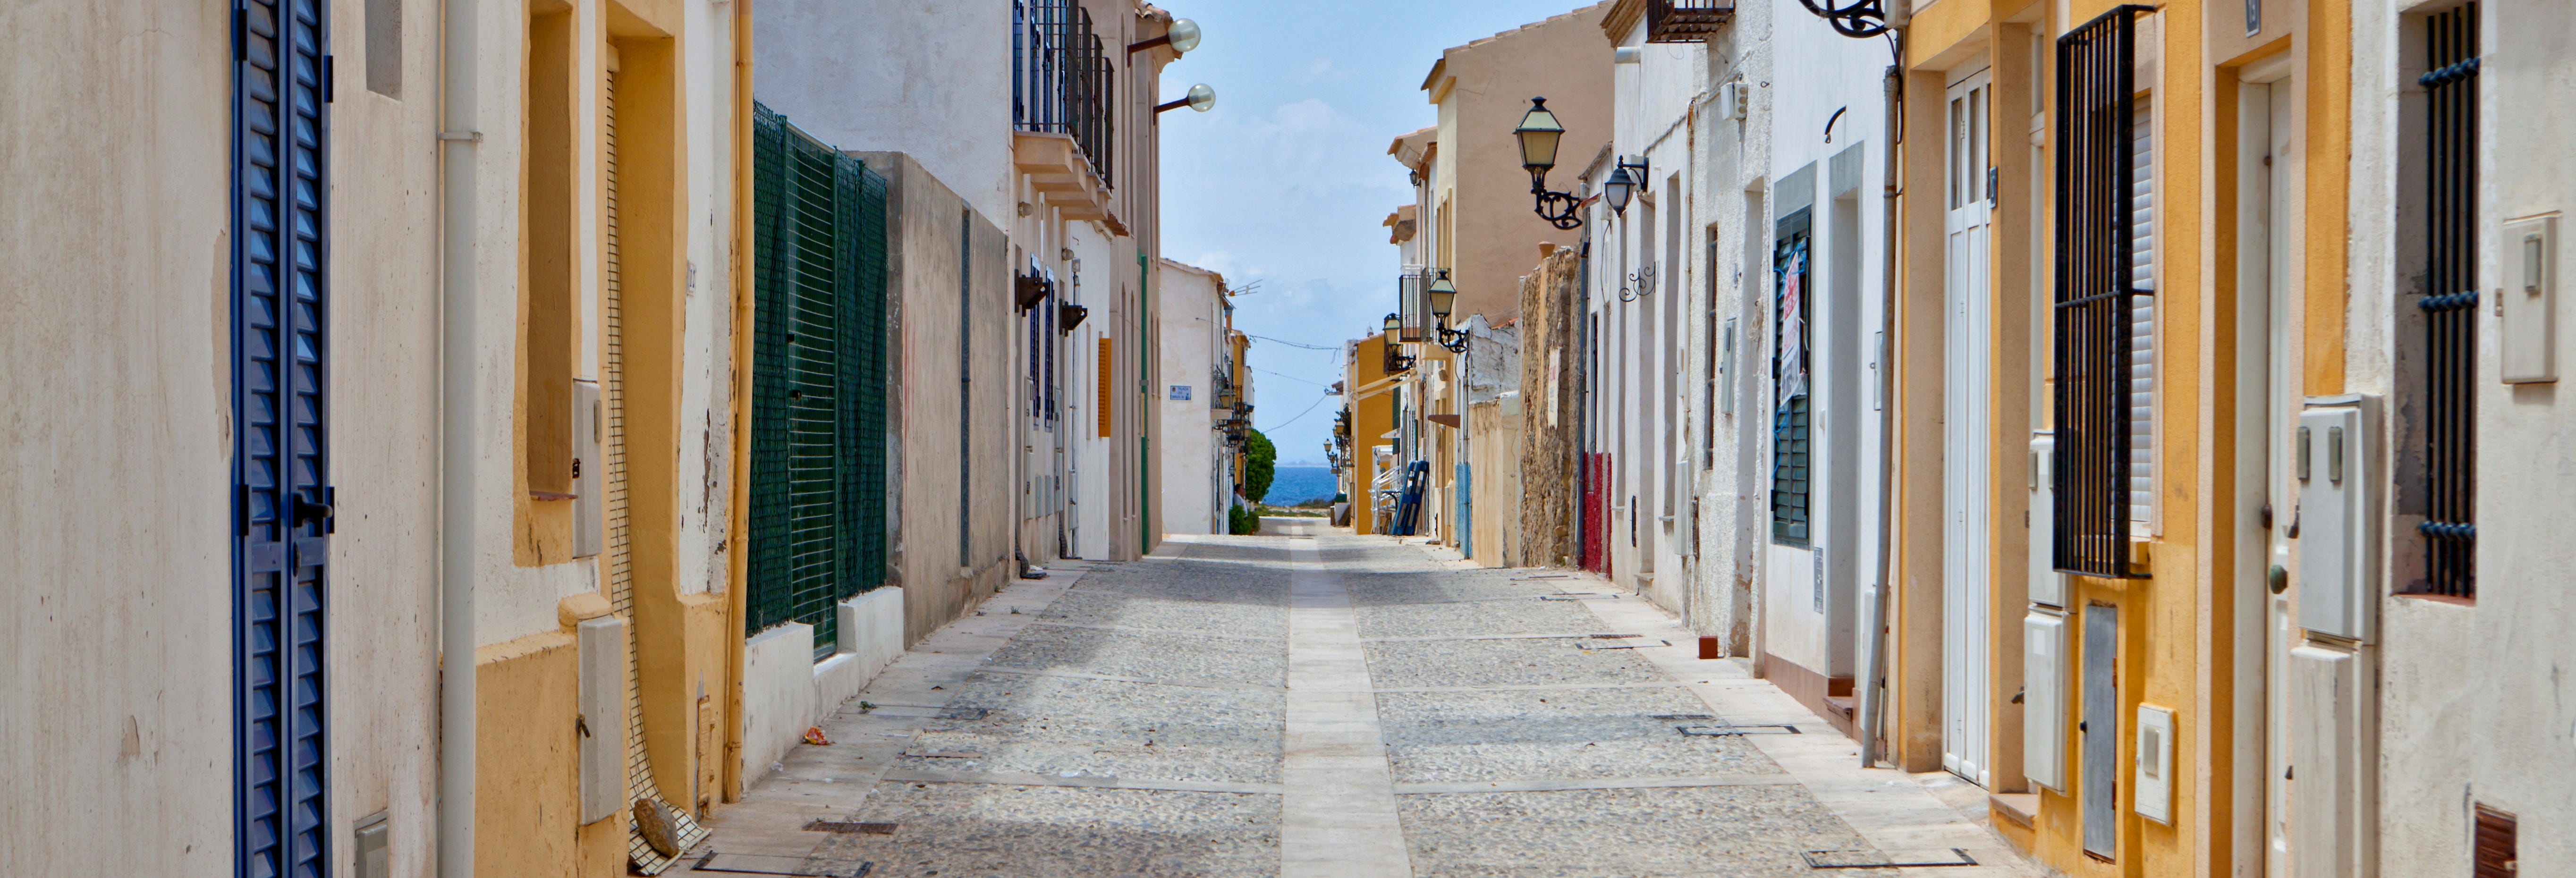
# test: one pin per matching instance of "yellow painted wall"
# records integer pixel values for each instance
(527, 768)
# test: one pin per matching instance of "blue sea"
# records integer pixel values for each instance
(1291, 485)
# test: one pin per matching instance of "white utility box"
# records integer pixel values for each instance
(2043, 709)
(602, 732)
(2047, 586)
(589, 475)
(2529, 303)
(2155, 764)
(2338, 488)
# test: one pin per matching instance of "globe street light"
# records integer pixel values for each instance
(1182, 36)
(1201, 98)
(1539, 133)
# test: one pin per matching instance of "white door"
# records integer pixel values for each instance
(1967, 440)
(2270, 231)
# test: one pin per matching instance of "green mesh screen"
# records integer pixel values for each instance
(818, 380)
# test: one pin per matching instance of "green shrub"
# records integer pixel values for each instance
(1260, 464)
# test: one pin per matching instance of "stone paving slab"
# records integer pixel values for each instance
(1568, 734)
(973, 829)
(1106, 607)
(1635, 833)
(1509, 616)
(1504, 663)
(1168, 656)
(1101, 728)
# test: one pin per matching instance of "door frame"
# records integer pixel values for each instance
(1967, 437)
(2269, 231)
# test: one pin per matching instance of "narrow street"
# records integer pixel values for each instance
(1314, 703)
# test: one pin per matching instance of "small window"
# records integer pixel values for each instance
(1791, 425)
(2449, 301)
(384, 47)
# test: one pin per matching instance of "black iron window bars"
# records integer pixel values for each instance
(2095, 295)
(1061, 78)
(2450, 301)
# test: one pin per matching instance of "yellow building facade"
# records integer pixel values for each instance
(2239, 134)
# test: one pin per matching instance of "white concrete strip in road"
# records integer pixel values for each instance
(1020, 779)
(1338, 816)
(1078, 675)
(1892, 810)
(1606, 783)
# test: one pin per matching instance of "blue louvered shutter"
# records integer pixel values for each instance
(282, 500)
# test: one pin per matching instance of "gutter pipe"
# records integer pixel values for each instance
(457, 139)
(1873, 703)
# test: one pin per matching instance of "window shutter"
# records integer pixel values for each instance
(2103, 309)
(1108, 387)
(2142, 319)
(2494, 854)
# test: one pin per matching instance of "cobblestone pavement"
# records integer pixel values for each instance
(1329, 705)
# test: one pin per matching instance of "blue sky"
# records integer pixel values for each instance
(1285, 182)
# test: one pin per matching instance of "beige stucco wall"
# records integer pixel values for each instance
(118, 699)
(1478, 167)
(942, 575)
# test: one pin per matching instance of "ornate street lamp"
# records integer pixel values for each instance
(1623, 183)
(1443, 296)
(1396, 361)
(1539, 133)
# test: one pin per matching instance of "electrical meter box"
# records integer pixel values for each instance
(2527, 303)
(2043, 709)
(2047, 586)
(588, 472)
(2336, 458)
(2155, 781)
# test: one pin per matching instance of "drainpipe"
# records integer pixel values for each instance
(1874, 672)
(457, 434)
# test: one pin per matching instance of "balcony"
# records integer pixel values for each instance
(1061, 78)
(1686, 21)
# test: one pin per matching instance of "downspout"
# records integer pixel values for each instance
(1874, 671)
(738, 523)
(457, 434)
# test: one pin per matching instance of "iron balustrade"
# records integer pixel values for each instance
(2450, 301)
(1061, 78)
(2096, 294)
(1686, 21)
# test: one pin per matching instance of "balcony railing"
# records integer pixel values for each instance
(1061, 79)
(1686, 21)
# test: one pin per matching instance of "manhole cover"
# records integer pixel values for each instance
(847, 827)
(1723, 729)
(1897, 859)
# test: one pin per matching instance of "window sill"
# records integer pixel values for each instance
(2453, 600)
(550, 495)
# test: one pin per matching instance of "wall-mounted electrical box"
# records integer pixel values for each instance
(601, 731)
(2047, 586)
(1726, 370)
(2043, 709)
(1734, 100)
(2528, 301)
(2337, 531)
(2155, 763)
(374, 855)
(588, 476)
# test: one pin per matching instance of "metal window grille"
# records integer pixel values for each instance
(1061, 79)
(818, 381)
(1410, 306)
(2097, 294)
(1686, 21)
(2449, 301)
(1791, 422)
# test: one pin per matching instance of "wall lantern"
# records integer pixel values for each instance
(1444, 296)
(1182, 36)
(1623, 183)
(1395, 361)
(1539, 133)
(1201, 98)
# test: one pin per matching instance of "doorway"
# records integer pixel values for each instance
(1967, 436)
(2269, 231)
